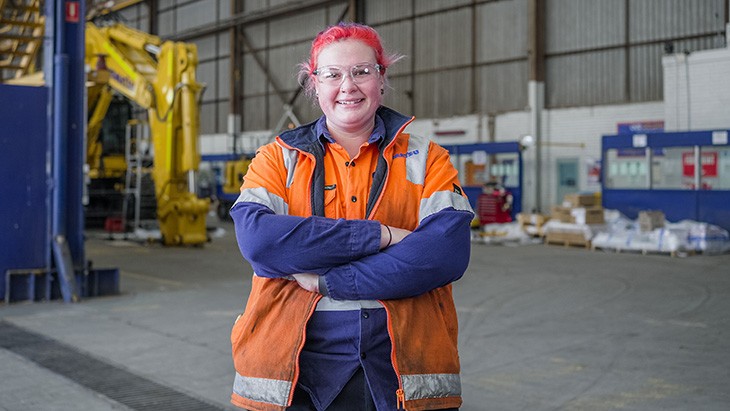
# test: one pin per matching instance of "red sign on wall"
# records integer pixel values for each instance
(72, 11)
(708, 162)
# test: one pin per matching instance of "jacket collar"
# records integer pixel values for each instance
(304, 137)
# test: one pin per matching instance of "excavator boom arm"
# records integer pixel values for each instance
(160, 76)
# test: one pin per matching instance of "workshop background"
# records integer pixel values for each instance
(591, 137)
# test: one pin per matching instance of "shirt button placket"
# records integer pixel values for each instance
(364, 334)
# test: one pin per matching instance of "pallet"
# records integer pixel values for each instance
(569, 243)
(492, 234)
(567, 239)
(676, 253)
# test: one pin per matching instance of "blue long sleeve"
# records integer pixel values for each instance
(435, 254)
(281, 245)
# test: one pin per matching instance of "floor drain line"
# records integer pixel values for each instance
(134, 391)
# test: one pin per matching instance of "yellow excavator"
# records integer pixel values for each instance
(230, 179)
(158, 76)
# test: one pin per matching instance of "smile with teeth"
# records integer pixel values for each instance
(349, 102)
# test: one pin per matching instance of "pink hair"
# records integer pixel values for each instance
(339, 32)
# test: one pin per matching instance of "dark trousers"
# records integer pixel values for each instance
(355, 396)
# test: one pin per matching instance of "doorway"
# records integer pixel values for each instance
(567, 178)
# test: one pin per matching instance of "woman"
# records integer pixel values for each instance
(355, 231)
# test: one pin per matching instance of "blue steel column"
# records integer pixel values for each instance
(49, 47)
(67, 157)
(75, 40)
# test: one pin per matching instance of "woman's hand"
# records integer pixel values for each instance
(391, 235)
(309, 282)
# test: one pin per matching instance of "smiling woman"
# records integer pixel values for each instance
(355, 230)
(349, 106)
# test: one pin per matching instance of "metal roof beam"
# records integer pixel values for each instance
(243, 19)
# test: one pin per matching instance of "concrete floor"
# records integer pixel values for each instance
(541, 328)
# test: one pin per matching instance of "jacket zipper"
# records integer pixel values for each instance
(387, 175)
(400, 395)
(299, 351)
(400, 399)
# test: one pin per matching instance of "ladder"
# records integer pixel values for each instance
(21, 35)
(139, 191)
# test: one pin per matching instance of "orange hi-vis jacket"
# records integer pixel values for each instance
(412, 179)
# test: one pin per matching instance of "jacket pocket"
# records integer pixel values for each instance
(332, 208)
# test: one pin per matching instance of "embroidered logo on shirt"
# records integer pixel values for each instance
(406, 155)
(457, 189)
(330, 187)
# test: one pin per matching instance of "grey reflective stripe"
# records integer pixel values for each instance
(420, 386)
(262, 196)
(328, 304)
(441, 200)
(290, 163)
(416, 159)
(262, 389)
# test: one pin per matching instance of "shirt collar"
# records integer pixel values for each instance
(377, 134)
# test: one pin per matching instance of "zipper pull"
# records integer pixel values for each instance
(400, 399)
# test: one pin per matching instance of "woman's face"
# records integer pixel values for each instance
(349, 106)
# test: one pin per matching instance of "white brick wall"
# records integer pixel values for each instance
(566, 133)
(697, 90)
(565, 127)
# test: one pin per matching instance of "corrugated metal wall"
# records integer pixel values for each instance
(501, 56)
(136, 17)
(461, 56)
(609, 51)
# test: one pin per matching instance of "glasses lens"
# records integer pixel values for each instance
(329, 75)
(363, 72)
(359, 73)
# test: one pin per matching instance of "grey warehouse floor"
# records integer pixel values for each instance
(541, 328)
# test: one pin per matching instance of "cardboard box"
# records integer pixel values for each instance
(650, 220)
(579, 200)
(594, 215)
(588, 215)
(535, 219)
(562, 214)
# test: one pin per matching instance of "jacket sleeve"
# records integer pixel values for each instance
(277, 244)
(435, 254)
(281, 245)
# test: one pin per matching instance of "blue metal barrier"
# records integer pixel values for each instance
(697, 202)
(24, 209)
(473, 192)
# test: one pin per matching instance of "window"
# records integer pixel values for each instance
(672, 168)
(627, 168)
(715, 168)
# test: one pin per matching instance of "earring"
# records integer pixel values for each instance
(382, 91)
